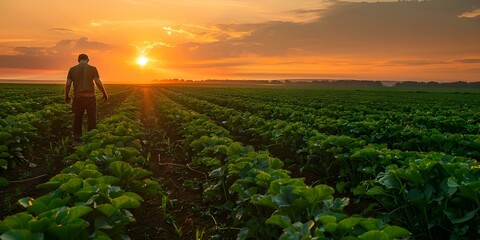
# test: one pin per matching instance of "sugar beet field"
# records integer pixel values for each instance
(251, 162)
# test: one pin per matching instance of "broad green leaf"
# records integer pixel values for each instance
(331, 227)
(134, 195)
(107, 209)
(243, 234)
(218, 172)
(139, 173)
(75, 168)
(347, 225)
(39, 225)
(372, 224)
(446, 189)
(19, 220)
(282, 221)
(470, 191)
(121, 169)
(125, 202)
(129, 152)
(452, 183)
(90, 173)
(307, 226)
(55, 202)
(428, 190)
(109, 180)
(368, 170)
(21, 234)
(389, 182)
(374, 234)
(377, 190)
(263, 176)
(340, 186)
(77, 212)
(316, 194)
(275, 163)
(85, 193)
(100, 235)
(3, 148)
(457, 217)
(72, 186)
(35, 206)
(3, 163)
(264, 200)
(91, 166)
(70, 230)
(235, 149)
(326, 219)
(26, 202)
(57, 180)
(281, 200)
(50, 185)
(395, 232)
(416, 196)
(349, 238)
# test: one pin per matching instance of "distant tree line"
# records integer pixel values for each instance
(330, 83)
(412, 84)
(339, 83)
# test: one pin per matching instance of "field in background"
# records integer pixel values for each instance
(214, 161)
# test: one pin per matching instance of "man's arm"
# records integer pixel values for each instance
(68, 85)
(101, 88)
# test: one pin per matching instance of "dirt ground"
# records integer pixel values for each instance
(186, 216)
(35, 169)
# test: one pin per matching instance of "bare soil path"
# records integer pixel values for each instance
(185, 215)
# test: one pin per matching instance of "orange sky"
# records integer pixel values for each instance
(437, 40)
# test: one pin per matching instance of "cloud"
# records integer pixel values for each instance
(84, 44)
(414, 62)
(471, 60)
(211, 64)
(9, 40)
(429, 62)
(32, 51)
(424, 29)
(61, 29)
(99, 22)
(289, 75)
(55, 57)
(471, 14)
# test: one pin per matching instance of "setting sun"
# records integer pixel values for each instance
(142, 61)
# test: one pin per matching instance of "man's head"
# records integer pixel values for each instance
(82, 56)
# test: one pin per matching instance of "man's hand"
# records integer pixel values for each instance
(67, 99)
(105, 97)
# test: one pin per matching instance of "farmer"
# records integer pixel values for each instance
(83, 75)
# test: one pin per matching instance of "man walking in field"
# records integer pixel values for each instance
(83, 75)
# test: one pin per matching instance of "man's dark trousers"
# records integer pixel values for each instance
(79, 106)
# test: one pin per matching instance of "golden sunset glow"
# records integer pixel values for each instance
(142, 61)
(230, 39)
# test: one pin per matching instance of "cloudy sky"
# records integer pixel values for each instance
(435, 40)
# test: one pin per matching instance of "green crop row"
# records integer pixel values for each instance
(452, 132)
(20, 134)
(353, 162)
(8, 108)
(23, 133)
(259, 195)
(90, 199)
(18, 99)
(32, 98)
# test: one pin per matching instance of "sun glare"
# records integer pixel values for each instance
(142, 61)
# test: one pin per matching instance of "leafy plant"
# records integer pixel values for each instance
(429, 195)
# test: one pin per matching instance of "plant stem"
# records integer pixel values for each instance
(29, 179)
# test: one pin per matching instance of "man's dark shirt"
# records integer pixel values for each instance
(82, 76)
